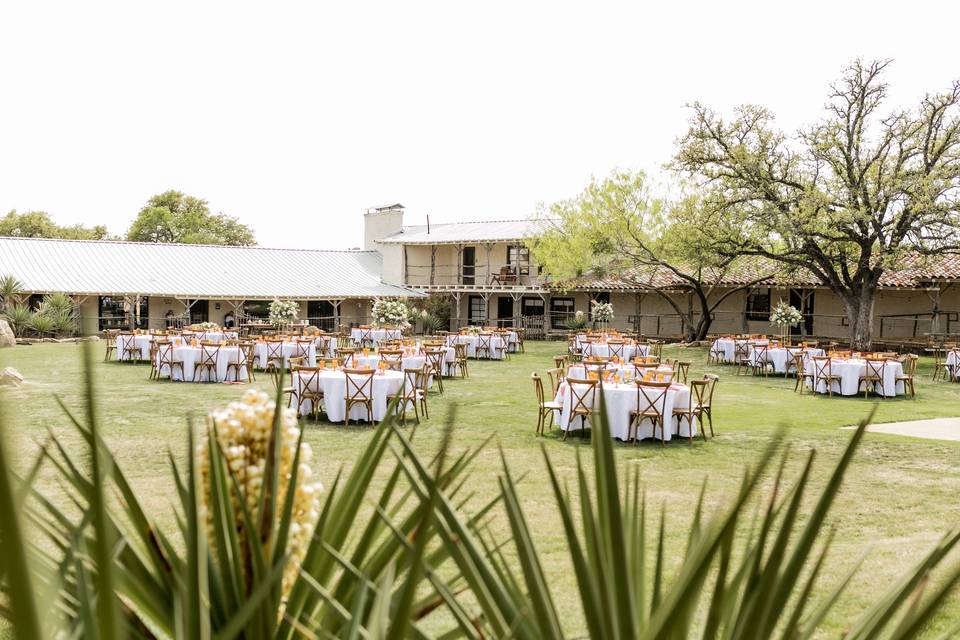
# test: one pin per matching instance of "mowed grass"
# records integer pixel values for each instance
(901, 493)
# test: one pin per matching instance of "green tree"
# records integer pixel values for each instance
(173, 216)
(615, 226)
(39, 224)
(847, 198)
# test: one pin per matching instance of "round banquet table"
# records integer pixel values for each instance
(497, 347)
(850, 372)
(619, 400)
(726, 347)
(143, 341)
(377, 335)
(215, 336)
(326, 346)
(780, 356)
(333, 383)
(372, 361)
(602, 349)
(190, 356)
(578, 371)
(288, 349)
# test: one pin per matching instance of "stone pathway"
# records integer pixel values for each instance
(933, 429)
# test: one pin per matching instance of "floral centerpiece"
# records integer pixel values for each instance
(244, 431)
(283, 312)
(208, 326)
(602, 312)
(785, 316)
(391, 312)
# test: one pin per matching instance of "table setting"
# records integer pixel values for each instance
(333, 384)
(850, 369)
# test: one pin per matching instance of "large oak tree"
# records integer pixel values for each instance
(39, 224)
(173, 216)
(616, 227)
(847, 198)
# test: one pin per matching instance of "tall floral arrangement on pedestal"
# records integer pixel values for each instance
(283, 312)
(245, 434)
(785, 316)
(602, 312)
(391, 312)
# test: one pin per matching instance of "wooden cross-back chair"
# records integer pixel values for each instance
(166, 360)
(410, 394)
(617, 349)
(872, 376)
(681, 371)
(741, 354)
(347, 356)
(909, 371)
(706, 403)
(545, 408)
(366, 337)
(699, 393)
(800, 369)
(393, 358)
(309, 389)
(209, 357)
(823, 372)
(241, 363)
(110, 340)
(275, 359)
(359, 392)
(556, 377)
(484, 345)
(716, 353)
(760, 359)
(459, 363)
(435, 363)
(583, 393)
(129, 350)
(651, 405)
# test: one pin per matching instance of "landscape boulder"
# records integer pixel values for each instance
(10, 377)
(7, 339)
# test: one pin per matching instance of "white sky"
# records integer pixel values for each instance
(295, 117)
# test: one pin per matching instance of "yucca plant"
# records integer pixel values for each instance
(20, 318)
(42, 324)
(104, 569)
(761, 591)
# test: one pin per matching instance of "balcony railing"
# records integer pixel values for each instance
(480, 275)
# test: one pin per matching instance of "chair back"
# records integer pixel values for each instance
(209, 354)
(393, 358)
(538, 387)
(359, 384)
(821, 366)
(876, 368)
(651, 398)
(617, 347)
(435, 359)
(761, 352)
(699, 394)
(309, 377)
(346, 356)
(164, 355)
(713, 379)
(411, 383)
(583, 393)
(485, 342)
(556, 377)
(460, 351)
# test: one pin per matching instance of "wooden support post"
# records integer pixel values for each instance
(459, 264)
(433, 263)
(405, 276)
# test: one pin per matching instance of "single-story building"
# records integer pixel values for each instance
(155, 285)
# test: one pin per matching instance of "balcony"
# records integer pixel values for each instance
(453, 277)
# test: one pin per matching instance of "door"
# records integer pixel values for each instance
(802, 300)
(476, 310)
(504, 311)
(469, 268)
(199, 311)
(320, 314)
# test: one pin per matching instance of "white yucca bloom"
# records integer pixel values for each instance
(244, 430)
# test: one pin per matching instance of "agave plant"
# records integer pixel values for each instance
(42, 324)
(20, 318)
(10, 289)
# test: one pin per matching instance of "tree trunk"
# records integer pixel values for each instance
(859, 307)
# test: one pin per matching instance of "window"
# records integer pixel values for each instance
(532, 307)
(320, 313)
(518, 256)
(114, 313)
(561, 309)
(758, 304)
(601, 296)
(476, 310)
(258, 309)
(199, 311)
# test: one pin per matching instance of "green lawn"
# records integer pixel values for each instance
(901, 495)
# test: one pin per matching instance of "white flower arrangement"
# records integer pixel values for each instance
(283, 312)
(244, 430)
(208, 326)
(391, 312)
(601, 311)
(785, 315)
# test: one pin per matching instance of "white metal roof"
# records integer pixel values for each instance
(192, 271)
(466, 232)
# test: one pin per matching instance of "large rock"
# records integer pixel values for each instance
(7, 339)
(10, 377)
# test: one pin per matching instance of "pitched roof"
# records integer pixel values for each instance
(457, 232)
(192, 271)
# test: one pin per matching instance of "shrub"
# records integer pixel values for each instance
(20, 317)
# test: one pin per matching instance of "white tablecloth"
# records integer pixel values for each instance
(191, 356)
(143, 341)
(330, 344)
(630, 351)
(619, 400)
(497, 346)
(780, 356)
(579, 371)
(261, 351)
(378, 335)
(850, 372)
(215, 336)
(373, 361)
(334, 386)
